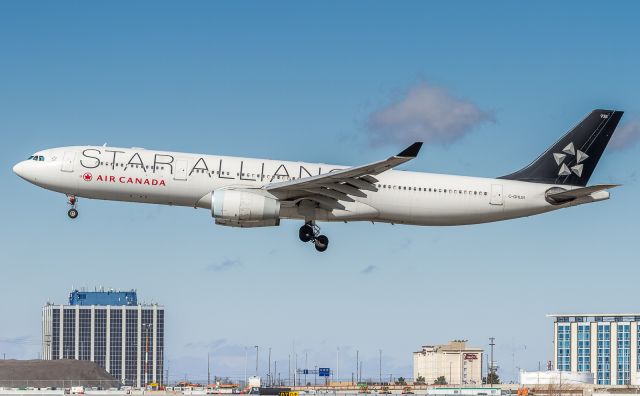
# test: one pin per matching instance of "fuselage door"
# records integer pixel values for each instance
(181, 170)
(68, 160)
(496, 194)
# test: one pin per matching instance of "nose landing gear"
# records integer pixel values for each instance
(311, 232)
(73, 201)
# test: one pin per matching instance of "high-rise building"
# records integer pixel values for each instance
(455, 361)
(606, 345)
(111, 329)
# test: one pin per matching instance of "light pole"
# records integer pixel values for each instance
(289, 381)
(357, 365)
(269, 375)
(337, 376)
(306, 366)
(147, 326)
(245, 365)
(492, 342)
(380, 366)
(257, 350)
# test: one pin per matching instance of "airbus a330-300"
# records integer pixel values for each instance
(249, 192)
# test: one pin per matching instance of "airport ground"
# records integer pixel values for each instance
(429, 390)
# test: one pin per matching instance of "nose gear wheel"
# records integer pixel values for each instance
(73, 201)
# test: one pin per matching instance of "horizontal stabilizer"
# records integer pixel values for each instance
(570, 195)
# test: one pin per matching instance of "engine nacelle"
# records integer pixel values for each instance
(242, 208)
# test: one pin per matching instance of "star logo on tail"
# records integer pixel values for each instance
(568, 152)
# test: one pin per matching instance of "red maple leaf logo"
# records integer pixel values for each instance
(87, 176)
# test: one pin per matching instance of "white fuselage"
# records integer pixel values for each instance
(172, 178)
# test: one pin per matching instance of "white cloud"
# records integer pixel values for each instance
(625, 136)
(425, 113)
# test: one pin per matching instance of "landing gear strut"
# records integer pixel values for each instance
(73, 201)
(311, 232)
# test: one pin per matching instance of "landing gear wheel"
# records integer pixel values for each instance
(310, 232)
(306, 233)
(73, 201)
(321, 243)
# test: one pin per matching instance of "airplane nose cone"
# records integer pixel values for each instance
(25, 170)
(19, 169)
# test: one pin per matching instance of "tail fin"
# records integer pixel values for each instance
(573, 158)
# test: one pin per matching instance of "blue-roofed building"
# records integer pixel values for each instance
(109, 297)
(110, 328)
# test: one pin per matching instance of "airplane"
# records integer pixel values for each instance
(250, 192)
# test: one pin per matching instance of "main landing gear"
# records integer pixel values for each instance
(311, 232)
(73, 201)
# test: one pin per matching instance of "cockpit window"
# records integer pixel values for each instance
(40, 158)
(36, 157)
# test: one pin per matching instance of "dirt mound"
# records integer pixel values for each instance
(54, 373)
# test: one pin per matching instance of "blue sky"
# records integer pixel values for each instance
(304, 81)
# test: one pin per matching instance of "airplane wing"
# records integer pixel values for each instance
(329, 188)
(570, 195)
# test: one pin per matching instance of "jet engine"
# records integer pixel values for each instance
(242, 208)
